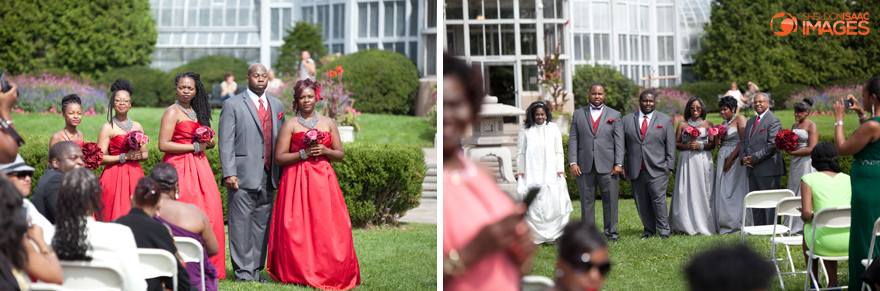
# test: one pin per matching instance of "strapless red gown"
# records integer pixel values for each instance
(310, 239)
(198, 187)
(118, 181)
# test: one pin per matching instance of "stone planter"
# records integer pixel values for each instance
(346, 133)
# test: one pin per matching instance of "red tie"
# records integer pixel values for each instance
(757, 119)
(266, 124)
(642, 131)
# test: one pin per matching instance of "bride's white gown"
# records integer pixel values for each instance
(539, 157)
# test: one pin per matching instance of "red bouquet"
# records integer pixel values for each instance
(718, 130)
(693, 131)
(786, 140)
(313, 137)
(92, 155)
(203, 134)
(136, 139)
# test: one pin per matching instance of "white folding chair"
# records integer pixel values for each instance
(832, 217)
(535, 283)
(867, 262)
(789, 207)
(93, 275)
(158, 263)
(764, 200)
(42, 286)
(191, 251)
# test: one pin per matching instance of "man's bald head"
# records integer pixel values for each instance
(65, 156)
(257, 78)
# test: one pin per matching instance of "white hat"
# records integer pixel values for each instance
(17, 166)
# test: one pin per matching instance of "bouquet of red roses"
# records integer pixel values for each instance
(718, 130)
(786, 140)
(313, 137)
(92, 155)
(693, 131)
(136, 139)
(203, 134)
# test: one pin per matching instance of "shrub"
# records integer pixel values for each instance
(380, 181)
(213, 70)
(303, 36)
(40, 93)
(669, 101)
(706, 90)
(618, 88)
(383, 82)
(783, 93)
(149, 83)
(432, 116)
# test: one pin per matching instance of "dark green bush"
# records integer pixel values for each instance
(213, 70)
(382, 82)
(149, 84)
(432, 116)
(618, 88)
(380, 181)
(780, 94)
(706, 90)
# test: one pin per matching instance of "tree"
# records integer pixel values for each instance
(83, 37)
(618, 88)
(740, 46)
(303, 36)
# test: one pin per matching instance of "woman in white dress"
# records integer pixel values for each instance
(731, 185)
(539, 162)
(736, 94)
(692, 196)
(801, 163)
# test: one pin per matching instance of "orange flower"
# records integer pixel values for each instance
(339, 68)
(333, 73)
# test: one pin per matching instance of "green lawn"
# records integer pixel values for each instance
(402, 258)
(378, 128)
(656, 264)
(786, 117)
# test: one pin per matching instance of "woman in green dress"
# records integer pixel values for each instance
(863, 146)
(826, 188)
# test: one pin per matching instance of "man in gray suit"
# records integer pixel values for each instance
(650, 157)
(595, 155)
(763, 161)
(249, 171)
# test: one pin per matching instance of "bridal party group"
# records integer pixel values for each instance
(285, 211)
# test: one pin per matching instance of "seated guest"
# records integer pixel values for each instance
(186, 220)
(583, 262)
(78, 237)
(21, 175)
(151, 234)
(729, 269)
(63, 157)
(18, 257)
(827, 187)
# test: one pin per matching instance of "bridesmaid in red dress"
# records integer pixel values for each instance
(122, 166)
(310, 239)
(71, 111)
(197, 183)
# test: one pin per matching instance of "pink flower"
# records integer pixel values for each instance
(52, 110)
(713, 131)
(312, 134)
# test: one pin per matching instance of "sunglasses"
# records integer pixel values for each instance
(579, 265)
(22, 174)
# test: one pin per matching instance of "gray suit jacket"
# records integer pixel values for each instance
(762, 147)
(657, 149)
(241, 142)
(604, 147)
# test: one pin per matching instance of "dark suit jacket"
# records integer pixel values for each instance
(762, 147)
(657, 149)
(241, 142)
(604, 147)
(152, 234)
(46, 195)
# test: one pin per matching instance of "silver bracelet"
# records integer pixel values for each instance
(122, 158)
(196, 146)
(302, 154)
(863, 116)
(701, 146)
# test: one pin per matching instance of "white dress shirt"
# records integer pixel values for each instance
(256, 99)
(642, 118)
(595, 114)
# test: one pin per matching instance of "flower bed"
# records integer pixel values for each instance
(668, 101)
(823, 100)
(43, 93)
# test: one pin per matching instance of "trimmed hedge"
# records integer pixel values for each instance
(626, 191)
(383, 82)
(781, 93)
(618, 88)
(708, 91)
(149, 84)
(380, 182)
(212, 69)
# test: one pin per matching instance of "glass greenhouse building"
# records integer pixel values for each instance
(253, 30)
(640, 38)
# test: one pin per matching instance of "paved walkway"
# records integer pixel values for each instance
(427, 210)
